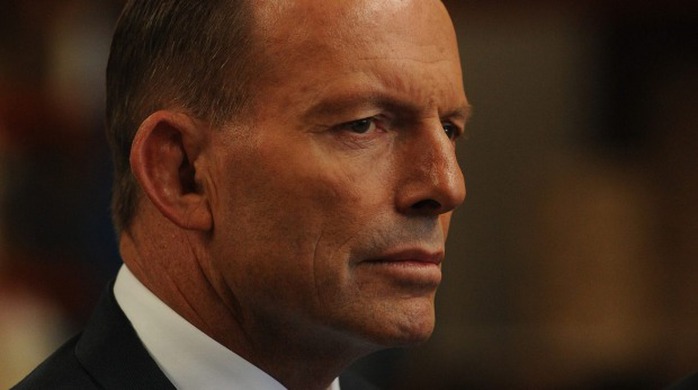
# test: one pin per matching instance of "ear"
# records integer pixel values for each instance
(164, 156)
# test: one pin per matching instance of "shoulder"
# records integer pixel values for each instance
(107, 355)
(687, 383)
(61, 370)
(351, 381)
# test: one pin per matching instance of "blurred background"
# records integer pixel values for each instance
(572, 265)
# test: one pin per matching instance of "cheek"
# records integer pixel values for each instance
(292, 210)
(278, 213)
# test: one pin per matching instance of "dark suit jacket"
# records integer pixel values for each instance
(687, 383)
(109, 355)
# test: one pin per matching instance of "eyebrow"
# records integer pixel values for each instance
(464, 112)
(339, 103)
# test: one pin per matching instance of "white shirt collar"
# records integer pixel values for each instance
(189, 358)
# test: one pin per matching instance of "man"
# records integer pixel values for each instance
(286, 173)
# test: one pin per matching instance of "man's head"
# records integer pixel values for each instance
(317, 215)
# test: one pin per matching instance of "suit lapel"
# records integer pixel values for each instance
(350, 381)
(111, 352)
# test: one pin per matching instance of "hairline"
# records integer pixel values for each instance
(130, 105)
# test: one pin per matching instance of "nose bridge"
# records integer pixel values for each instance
(436, 176)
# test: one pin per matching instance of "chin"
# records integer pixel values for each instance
(414, 334)
(410, 326)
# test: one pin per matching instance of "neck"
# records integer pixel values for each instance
(182, 278)
(297, 360)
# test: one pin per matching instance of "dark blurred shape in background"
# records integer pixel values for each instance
(57, 247)
(572, 265)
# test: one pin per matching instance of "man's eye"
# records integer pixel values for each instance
(361, 126)
(451, 130)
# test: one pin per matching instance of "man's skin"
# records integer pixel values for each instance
(311, 232)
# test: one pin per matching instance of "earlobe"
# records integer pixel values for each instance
(163, 159)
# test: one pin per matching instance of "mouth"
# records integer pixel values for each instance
(417, 267)
(418, 256)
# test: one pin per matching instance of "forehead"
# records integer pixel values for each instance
(301, 26)
(316, 45)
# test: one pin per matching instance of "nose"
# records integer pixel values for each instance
(431, 182)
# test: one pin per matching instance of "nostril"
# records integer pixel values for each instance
(427, 204)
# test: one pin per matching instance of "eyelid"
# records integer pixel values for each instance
(458, 125)
(383, 122)
(459, 129)
(377, 120)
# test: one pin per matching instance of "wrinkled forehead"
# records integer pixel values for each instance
(362, 47)
(336, 24)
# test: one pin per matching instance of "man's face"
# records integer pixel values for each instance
(331, 209)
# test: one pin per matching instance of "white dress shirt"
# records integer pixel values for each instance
(189, 358)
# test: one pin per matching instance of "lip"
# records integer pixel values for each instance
(412, 268)
(410, 256)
